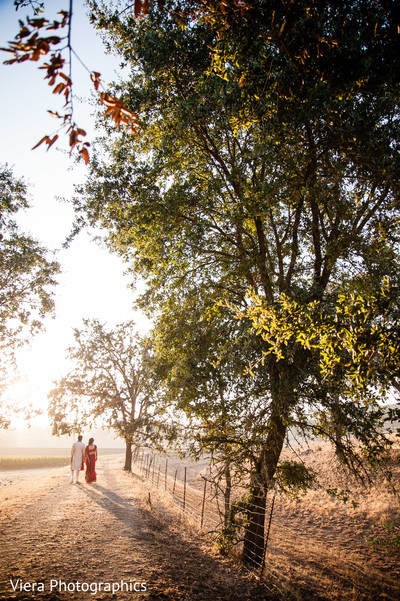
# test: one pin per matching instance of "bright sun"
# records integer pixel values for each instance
(22, 395)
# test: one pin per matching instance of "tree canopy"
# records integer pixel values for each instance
(27, 279)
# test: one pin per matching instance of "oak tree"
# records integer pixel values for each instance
(111, 384)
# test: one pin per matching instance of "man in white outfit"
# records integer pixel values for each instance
(77, 455)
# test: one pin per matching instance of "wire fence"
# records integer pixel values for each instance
(278, 548)
(203, 503)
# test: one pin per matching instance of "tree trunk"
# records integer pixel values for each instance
(253, 544)
(128, 455)
(264, 469)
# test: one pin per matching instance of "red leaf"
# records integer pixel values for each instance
(54, 114)
(67, 79)
(73, 139)
(51, 142)
(84, 152)
(59, 88)
(138, 8)
(44, 139)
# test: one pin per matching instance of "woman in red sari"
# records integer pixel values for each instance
(91, 458)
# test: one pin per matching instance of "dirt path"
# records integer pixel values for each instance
(60, 541)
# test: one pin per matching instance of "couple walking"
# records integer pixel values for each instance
(80, 454)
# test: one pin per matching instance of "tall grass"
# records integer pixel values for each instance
(15, 462)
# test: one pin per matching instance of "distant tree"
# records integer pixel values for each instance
(110, 384)
(27, 277)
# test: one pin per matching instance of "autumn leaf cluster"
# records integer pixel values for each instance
(32, 44)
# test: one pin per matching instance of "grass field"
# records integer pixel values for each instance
(20, 462)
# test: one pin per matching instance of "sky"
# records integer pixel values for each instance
(92, 283)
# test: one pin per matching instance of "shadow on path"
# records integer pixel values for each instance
(123, 509)
(178, 568)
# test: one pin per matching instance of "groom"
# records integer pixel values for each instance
(77, 456)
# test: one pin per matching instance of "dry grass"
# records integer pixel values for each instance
(18, 462)
(321, 543)
(369, 503)
(320, 546)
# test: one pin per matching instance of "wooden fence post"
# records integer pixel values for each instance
(184, 492)
(203, 505)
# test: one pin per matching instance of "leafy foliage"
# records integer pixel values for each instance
(295, 478)
(111, 384)
(27, 277)
(355, 336)
(388, 539)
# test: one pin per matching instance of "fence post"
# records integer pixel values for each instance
(203, 505)
(184, 492)
(166, 473)
(268, 530)
(173, 489)
(154, 465)
(158, 477)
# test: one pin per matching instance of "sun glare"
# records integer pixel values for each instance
(23, 396)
